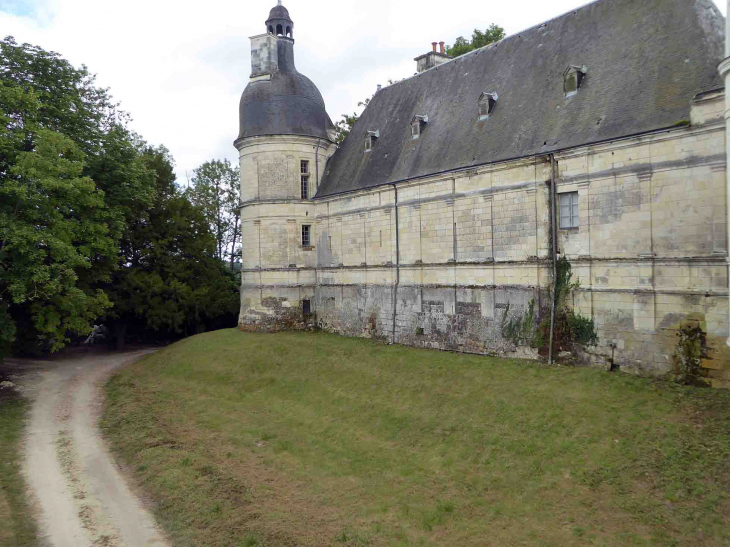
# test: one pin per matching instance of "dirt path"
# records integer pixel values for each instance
(81, 496)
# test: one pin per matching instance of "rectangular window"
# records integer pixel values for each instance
(306, 235)
(307, 307)
(569, 210)
(304, 167)
(305, 186)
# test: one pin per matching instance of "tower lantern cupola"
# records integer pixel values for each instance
(279, 23)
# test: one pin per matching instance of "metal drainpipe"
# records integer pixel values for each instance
(397, 262)
(554, 225)
(725, 73)
(316, 166)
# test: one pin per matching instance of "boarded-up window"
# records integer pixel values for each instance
(569, 210)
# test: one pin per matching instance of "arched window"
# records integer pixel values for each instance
(279, 30)
(288, 31)
(271, 29)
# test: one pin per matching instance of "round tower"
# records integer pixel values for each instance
(284, 142)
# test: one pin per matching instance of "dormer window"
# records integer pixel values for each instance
(487, 104)
(371, 138)
(573, 79)
(417, 125)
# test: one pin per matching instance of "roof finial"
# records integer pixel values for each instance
(280, 3)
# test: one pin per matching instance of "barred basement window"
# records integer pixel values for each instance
(306, 235)
(569, 210)
(304, 167)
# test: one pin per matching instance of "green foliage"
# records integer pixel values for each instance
(85, 207)
(582, 329)
(691, 349)
(216, 192)
(570, 327)
(171, 281)
(479, 39)
(345, 125)
(520, 330)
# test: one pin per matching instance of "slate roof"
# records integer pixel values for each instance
(289, 104)
(279, 12)
(646, 60)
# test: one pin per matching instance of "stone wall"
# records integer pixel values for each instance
(437, 262)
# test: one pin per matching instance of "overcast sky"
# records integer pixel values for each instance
(179, 67)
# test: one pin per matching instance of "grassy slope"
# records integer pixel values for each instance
(17, 528)
(301, 439)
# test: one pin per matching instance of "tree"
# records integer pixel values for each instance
(345, 125)
(52, 214)
(172, 282)
(479, 39)
(92, 224)
(216, 191)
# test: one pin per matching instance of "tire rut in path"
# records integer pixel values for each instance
(81, 496)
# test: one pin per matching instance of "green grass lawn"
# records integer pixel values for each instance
(17, 527)
(314, 439)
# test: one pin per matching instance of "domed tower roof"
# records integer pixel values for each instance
(279, 12)
(279, 100)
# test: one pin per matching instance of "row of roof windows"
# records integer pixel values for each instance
(573, 79)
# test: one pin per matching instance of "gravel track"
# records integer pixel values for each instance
(79, 492)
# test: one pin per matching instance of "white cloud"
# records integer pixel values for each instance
(179, 67)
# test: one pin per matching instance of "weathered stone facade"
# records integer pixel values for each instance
(436, 261)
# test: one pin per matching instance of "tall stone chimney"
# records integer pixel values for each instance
(433, 58)
(725, 73)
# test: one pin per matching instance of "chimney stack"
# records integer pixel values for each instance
(434, 58)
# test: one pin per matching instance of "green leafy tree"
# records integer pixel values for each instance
(345, 125)
(172, 282)
(55, 222)
(216, 191)
(479, 39)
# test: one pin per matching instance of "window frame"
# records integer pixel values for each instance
(304, 180)
(573, 210)
(486, 104)
(577, 73)
(415, 130)
(306, 235)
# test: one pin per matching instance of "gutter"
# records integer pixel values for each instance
(554, 241)
(316, 162)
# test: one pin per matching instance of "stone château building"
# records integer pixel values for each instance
(433, 218)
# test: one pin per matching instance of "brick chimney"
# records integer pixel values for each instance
(432, 58)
